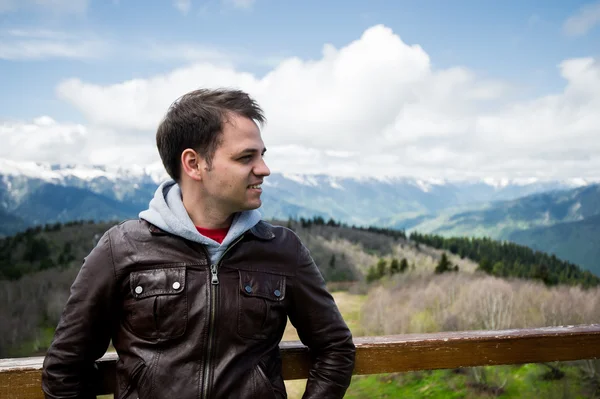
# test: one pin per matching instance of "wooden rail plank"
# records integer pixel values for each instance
(20, 378)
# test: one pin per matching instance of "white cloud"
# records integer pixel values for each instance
(142, 102)
(22, 44)
(183, 5)
(245, 4)
(57, 6)
(377, 106)
(41, 138)
(46, 140)
(584, 19)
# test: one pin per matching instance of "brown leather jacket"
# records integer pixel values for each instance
(183, 330)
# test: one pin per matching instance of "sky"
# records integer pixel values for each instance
(433, 89)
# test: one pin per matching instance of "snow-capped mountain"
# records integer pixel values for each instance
(399, 202)
(20, 179)
(37, 193)
(69, 174)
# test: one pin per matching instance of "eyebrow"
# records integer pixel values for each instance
(252, 150)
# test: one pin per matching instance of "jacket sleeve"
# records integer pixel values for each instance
(83, 332)
(322, 329)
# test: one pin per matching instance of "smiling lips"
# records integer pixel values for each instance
(255, 186)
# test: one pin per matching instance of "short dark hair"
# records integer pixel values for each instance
(195, 120)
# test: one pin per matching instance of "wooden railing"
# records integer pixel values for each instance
(20, 378)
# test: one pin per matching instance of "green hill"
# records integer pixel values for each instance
(507, 259)
(10, 224)
(52, 203)
(51, 246)
(500, 219)
(564, 223)
(577, 241)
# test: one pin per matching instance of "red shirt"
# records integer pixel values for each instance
(216, 234)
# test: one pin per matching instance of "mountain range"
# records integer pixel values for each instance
(517, 209)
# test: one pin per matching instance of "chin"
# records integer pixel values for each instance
(247, 206)
(253, 205)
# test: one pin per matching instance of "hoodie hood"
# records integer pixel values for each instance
(166, 211)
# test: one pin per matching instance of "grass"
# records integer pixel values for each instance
(504, 382)
(36, 346)
(507, 382)
(409, 385)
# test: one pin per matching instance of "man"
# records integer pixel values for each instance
(195, 294)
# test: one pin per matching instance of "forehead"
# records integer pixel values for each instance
(240, 133)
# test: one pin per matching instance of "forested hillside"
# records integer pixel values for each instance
(499, 219)
(46, 247)
(563, 222)
(577, 241)
(9, 223)
(344, 253)
(506, 259)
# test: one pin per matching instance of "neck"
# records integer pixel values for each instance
(202, 212)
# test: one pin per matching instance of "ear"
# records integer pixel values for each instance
(191, 164)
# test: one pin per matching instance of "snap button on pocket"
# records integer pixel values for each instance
(261, 306)
(158, 307)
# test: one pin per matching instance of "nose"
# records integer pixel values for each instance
(262, 169)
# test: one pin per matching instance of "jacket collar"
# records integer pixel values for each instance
(154, 229)
(261, 230)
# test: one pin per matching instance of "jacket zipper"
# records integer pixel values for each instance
(213, 292)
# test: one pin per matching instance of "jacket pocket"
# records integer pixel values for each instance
(128, 381)
(261, 311)
(157, 308)
(264, 389)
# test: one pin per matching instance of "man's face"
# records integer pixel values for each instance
(233, 182)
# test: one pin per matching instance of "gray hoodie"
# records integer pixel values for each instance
(166, 211)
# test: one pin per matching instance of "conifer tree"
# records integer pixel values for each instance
(381, 266)
(394, 266)
(444, 265)
(403, 265)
